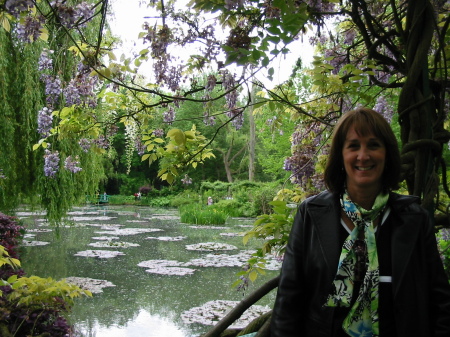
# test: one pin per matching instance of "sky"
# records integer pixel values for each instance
(128, 20)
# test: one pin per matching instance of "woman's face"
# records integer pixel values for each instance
(364, 161)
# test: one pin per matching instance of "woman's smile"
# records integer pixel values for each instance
(364, 160)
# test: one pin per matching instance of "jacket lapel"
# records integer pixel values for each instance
(405, 229)
(325, 214)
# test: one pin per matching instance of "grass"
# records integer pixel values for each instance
(207, 215)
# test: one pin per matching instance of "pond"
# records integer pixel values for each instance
(161, 277)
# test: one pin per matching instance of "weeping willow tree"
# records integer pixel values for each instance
(21, 97)
(24, 94)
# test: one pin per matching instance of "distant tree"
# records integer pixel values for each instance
(367, 51)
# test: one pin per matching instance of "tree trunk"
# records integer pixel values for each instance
(252, 139)
(226, 165)
(239, 309)
(417, 111)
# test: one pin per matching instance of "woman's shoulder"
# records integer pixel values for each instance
(402, 202)
(321, 199)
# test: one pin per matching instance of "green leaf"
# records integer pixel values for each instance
(177, 135)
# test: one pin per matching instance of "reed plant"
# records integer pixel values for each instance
(202, 215)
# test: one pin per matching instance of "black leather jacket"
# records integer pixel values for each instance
(421, 290)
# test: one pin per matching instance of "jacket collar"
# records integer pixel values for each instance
(406, 223)
(325, 217)
(324, 210)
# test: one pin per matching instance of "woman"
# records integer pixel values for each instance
(362, 260)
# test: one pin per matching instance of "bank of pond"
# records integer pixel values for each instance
(149, 273)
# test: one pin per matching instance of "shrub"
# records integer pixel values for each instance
(230, 207)
(30, 306)
(121, 200)
(186, 197)
(145, 190)
(11, 234)
(157, 202)
(33, 306)
(443, 238)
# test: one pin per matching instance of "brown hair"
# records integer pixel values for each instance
(364, 121)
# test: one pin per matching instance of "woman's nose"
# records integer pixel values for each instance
(363, 154)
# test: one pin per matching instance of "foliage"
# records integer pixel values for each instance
(389, 55)
(30, 305)
(186, 197)
(122, 200)
(201, 215)
(274, 229)
(7, 261)
(276, 225)
(11, 235)
(32, 102)
(274, 129)
(33, 305)
(145, 190)
(444, 248)
(36, 291)
(231, 207)
(157, 201)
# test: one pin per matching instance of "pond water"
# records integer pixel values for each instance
(164, 273)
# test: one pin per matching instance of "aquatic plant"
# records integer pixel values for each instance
(195, 214)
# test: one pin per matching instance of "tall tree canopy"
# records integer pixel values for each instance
(390, 55)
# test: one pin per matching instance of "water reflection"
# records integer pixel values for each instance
(143, 324)
(140, 304)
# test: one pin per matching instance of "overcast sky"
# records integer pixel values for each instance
(129, 17)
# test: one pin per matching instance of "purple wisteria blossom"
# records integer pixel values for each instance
(45, 119)
(71, 164)
(186, 180)
(85, 144)
(51, 163)
(158, 133)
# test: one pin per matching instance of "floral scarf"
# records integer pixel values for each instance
(362, 319)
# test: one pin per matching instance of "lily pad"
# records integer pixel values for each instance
(221, 260)
(26, 214)
(164, 217)
(130, 231)
(93, 285)
(105, 238)
(83, 213)
(95, 218)
(236, 260)
(33, 243)
(113, 244)
(39, 230)
(166, 267)
(167, 238)
(213, 311)
(231, 234)
(210, 246)
(208, 227)
(101, 254)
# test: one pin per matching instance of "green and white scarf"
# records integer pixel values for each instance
(362, 320)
